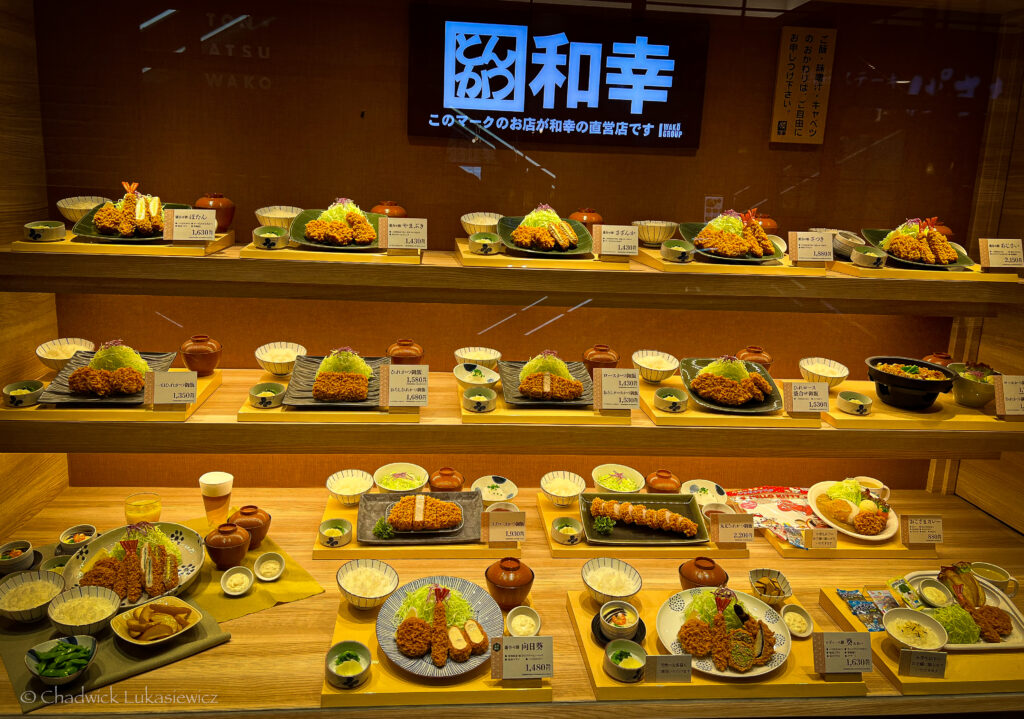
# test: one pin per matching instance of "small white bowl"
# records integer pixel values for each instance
(280, 369)
(602, 597)
(17, 564)
(340, 541)
(263, 215)
(840, 371)
(31, 658)
(70, 547)
(263, 559)
(621, 674)
(360, 602)
(415, 472)
(470, 375)
(613, 631)
(94, 627)
(490, 360)
(903, 613)
(28, 399)
(843, 242)
(270, 402)
(270, 237)
(844, 403)
(775, 602)
(495, 483)
(869, 256)
(347, 498)
(522, 611)
(641, 359)
(797, 609)
(471, 404)
(670, 399)
(249, 581)
(627, 473)
(365, 658)
(562, 500)
(570, 539)
(34, 614)
(44, 231)
(74, 214)
(503, 507)
(58, 364)
(652, 233)
(935, 583)
(474, 222)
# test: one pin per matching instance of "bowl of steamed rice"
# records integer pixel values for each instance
(608, 579)
(367, 583)
(83, 610)
(25, 596)
(562, 488)
(349, 485)
(278, 358)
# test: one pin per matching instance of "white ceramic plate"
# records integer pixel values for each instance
(891, 527)
(672, 615)
(993, 597)
(704, 490)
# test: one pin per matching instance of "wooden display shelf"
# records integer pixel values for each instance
(205, 387)
(590, 262)
(974, 274)
(279, 653)
(248, 413)
(652, 258)
(796, 678)
(356, 550)
(214, 429)
(966, 672)
(696, 416)
(505, 414)
(549, 513)
(295, 253)
(71, 244)
(944, 414)
(441, 278)
(852, 548)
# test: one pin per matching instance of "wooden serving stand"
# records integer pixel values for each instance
(971, 274)
(652, 258)
(696, 416)
(590, 262)
(504, 414)
(356, 550)
(796, 678)
(852, 548)
(944, 414)
(549, 513)
(966, 672)
(294, 252)
(72, 243)
(248, 413)
(390, 686)
(205, 387)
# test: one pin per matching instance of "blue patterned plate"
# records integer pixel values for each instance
(188, 541)
(673, 613)
(487, 613)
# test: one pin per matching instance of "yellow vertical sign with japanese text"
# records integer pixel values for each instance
(802, 84)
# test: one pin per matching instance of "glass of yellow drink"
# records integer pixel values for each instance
(142, 507)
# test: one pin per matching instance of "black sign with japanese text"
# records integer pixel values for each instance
(600, 78)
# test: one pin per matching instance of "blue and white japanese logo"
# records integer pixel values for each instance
(493, 67)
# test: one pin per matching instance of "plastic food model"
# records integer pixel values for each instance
(547, 377)
(116, 368)
(919, 241)
(727, 381)
(343, 376)
(543, 229)
(341, 224)
(133, 215)
(734, 235)
(853, 506)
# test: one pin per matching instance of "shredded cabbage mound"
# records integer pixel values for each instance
(457, 610)
(339, 208)
(958, 624)
(543, 216)
(546, 361)
(704, 608)
(116, 354)
(910, 228)
(848, 489)
(729, 221)
(344, 359)
(728, 367)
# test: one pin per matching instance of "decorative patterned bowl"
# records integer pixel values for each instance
(355, 680)
(22, 561)
(266, 402)
(287, 213)
(45, 231)
(485, 243)
(487, 357)
(471, 402)
(620, 673)
(868, 257)
(841, 371)
(471, 375)
(69, 546)
(413, 471)
(642, 362)
(474, 222)
(279, 368)
(678, 250)
(652, 233)
(561, 537)
(58, 364)
(775, 602)
(562, 500)
(670, 399)
(32, 658)
(846, 404)
(342, 539)
(602, 597)
(74, 208)
(620, 471)
(34, 614)
(494, 488)
(349, 498)
(270, 237)
(358, 601)
(23, 399)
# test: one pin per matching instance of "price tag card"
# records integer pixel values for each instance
(1010, 395)
(620, 240)
(669, 668)
(821, 538)
(405, 385)
(805, 397)
(522, 657)
(917, 663)
(1001, 253)
(733, 528)
(402, 233)
(842, 652)
(182, 225)
(505, 526)
(616, 389)
(170, 387)
(810, 246)
(921, 528)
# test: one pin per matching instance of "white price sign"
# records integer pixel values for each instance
(1001, 253)
(917, 663)
(522, 657)
(669, 668)
(734, 528)
(842, 652)
(170, 387)
(402, 233)
(182, 225)
(621, 240)
(805, 397)
(506, 526)
(811, 246)
(1009, 394)
(921, 529)
(405, 385)
(617, 388)
(821, 538)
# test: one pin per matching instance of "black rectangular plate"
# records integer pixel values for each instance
(630, 534)
(58, 393)
(374, 506)
(300, 388)
(509, 372)
(689, 368)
